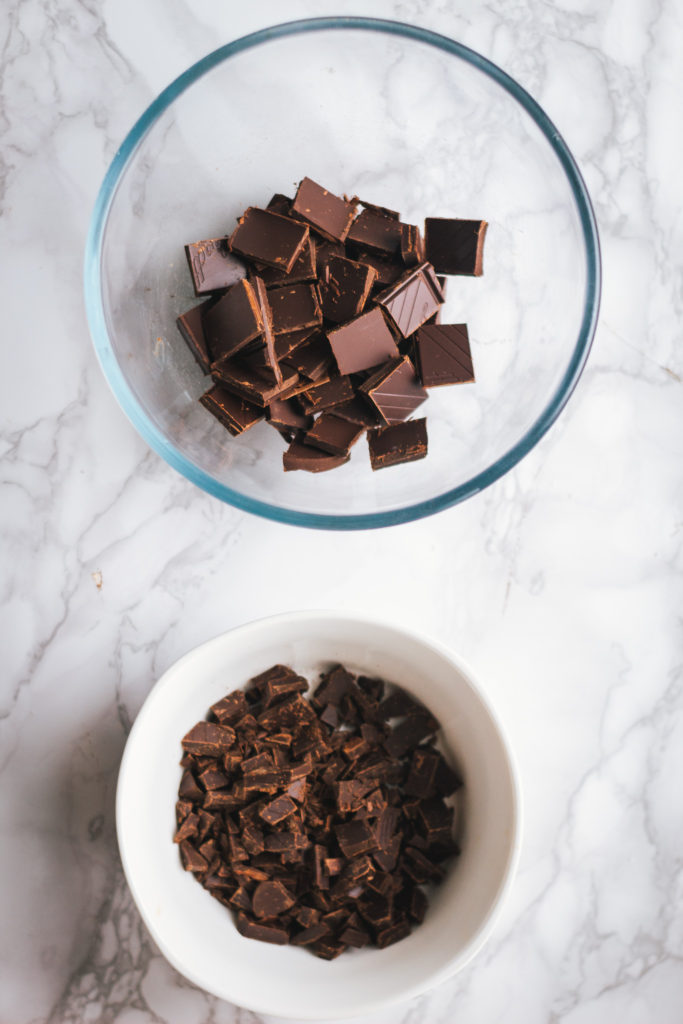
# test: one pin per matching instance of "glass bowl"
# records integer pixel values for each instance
(399, 116)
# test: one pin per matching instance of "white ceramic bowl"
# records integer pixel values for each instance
(197, 934)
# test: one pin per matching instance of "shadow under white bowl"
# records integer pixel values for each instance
(198, 935)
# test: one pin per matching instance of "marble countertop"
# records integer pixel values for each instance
(561, 584)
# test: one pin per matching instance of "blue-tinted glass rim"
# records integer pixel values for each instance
(153, 436)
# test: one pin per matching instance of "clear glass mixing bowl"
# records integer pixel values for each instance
(402, 117)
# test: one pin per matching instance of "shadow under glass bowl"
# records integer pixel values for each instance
(404, 118)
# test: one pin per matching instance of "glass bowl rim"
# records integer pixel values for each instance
(156, 439)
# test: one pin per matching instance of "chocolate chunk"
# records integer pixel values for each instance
(269, 238)
(327, 394)
(455, 246)
(412, 245)
(359, 412)
(213, 266)
(277, 810)
(354, 837)
(311, 359)
(330, 215)
(233, 321)
(333, 434)
(303, 269)
(270, 355)
(372, 231)
(192, 859)
(409, 733)
(191, 327)
(355, 937)
(387, 270)
(208, 738)
(394, 390)
(280, 204)
(230, 708)
(362, 343)
(236, 414)
(271, 899)
(421, 780)
(400, 442)
(344, 288)
(241, 379)
(412, 299)
(263, 932)
(443, 354)
(294, 308)
(311, 934)
(187, 829)
(312, 460)
(394, 933)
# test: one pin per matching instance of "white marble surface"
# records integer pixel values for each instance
(561, 584)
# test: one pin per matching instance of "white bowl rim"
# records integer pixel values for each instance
(481, 936)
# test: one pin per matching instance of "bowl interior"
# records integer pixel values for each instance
(398, 122)
(198, 935)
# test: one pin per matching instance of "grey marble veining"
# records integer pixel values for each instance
(561, 584)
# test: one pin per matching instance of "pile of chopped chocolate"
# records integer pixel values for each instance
(319, 821)
(326, 322)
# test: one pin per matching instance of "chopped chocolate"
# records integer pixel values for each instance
(294, 308)
(359, 412)
(333, 434)
(233, 321)
(387, 270)
(443, 354)
(328, 214)
(362, 343)
(267, 237)
(251, 929)
(345, 286)
(412, 245)
(280, 204)
(394, 390)
(412, 299)
(191, 327)
(213, 266)
(313, 820)
(327, 394)
(208, 738)
(373, 231)
(400, 442)
(235, 413)
(312, 460)
(270, 899)
(237, 376)
(455, 246)
(311, 359)
(303, 269)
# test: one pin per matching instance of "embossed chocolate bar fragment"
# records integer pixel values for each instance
(344, 288)
(213, 266)
(233, 321)
(236, 414)
(328, 214)
(398, 443)
(394, 390)
(294, 307)
(267, 237)
(333, 434)
(412, 299)
(362, 343)
(191, 327)
(455, 246)
(312, 460)
(443, 355)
